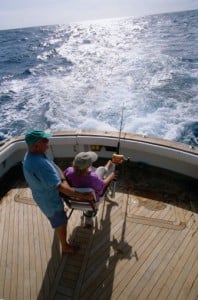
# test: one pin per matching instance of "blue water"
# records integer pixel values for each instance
(81, 75)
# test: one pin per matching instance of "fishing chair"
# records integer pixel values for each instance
(89, 208)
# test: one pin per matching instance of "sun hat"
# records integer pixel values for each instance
(34, 136)
(84, 159)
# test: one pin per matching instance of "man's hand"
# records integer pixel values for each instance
(65, 189)
(85, 196)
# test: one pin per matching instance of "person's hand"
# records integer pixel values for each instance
(88, 196)
(85, 196)
(114, 175)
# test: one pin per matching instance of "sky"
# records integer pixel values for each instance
(28, 13)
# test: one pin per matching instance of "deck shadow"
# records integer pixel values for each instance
(51, 271)
(90, 272)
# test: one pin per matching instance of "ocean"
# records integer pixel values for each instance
(81, 76)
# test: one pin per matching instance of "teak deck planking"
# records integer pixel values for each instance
(144, 244)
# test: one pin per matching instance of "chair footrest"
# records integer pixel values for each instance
(80, 205)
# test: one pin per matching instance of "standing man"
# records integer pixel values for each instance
(46, 180)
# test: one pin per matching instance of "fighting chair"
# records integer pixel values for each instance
(89, 208)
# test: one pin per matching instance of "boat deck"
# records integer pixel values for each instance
(144, 243)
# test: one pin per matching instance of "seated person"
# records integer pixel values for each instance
(83, 175)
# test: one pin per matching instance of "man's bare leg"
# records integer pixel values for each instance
(62, 235)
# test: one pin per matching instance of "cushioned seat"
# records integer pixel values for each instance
(89, 208)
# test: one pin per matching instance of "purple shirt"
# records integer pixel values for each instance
(91, 180)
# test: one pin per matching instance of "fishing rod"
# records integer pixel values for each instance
(118, 158)
(120, 131)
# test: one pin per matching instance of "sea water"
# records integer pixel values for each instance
(84, 75)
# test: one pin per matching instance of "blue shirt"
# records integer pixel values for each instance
(43, 178)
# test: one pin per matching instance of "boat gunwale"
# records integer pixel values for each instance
(149, 150)
(113, 135)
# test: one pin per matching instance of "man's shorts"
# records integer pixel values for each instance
(58, 219)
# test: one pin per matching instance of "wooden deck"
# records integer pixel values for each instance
(144, 244)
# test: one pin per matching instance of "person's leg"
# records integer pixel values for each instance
(103, 172)
(59, 223)
(62, 235)
(109, 165)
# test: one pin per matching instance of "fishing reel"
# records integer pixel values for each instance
(117, 159)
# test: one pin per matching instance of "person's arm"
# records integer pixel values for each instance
(60, 172)
(65, 188)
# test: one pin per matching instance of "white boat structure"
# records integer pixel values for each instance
(144, 242)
